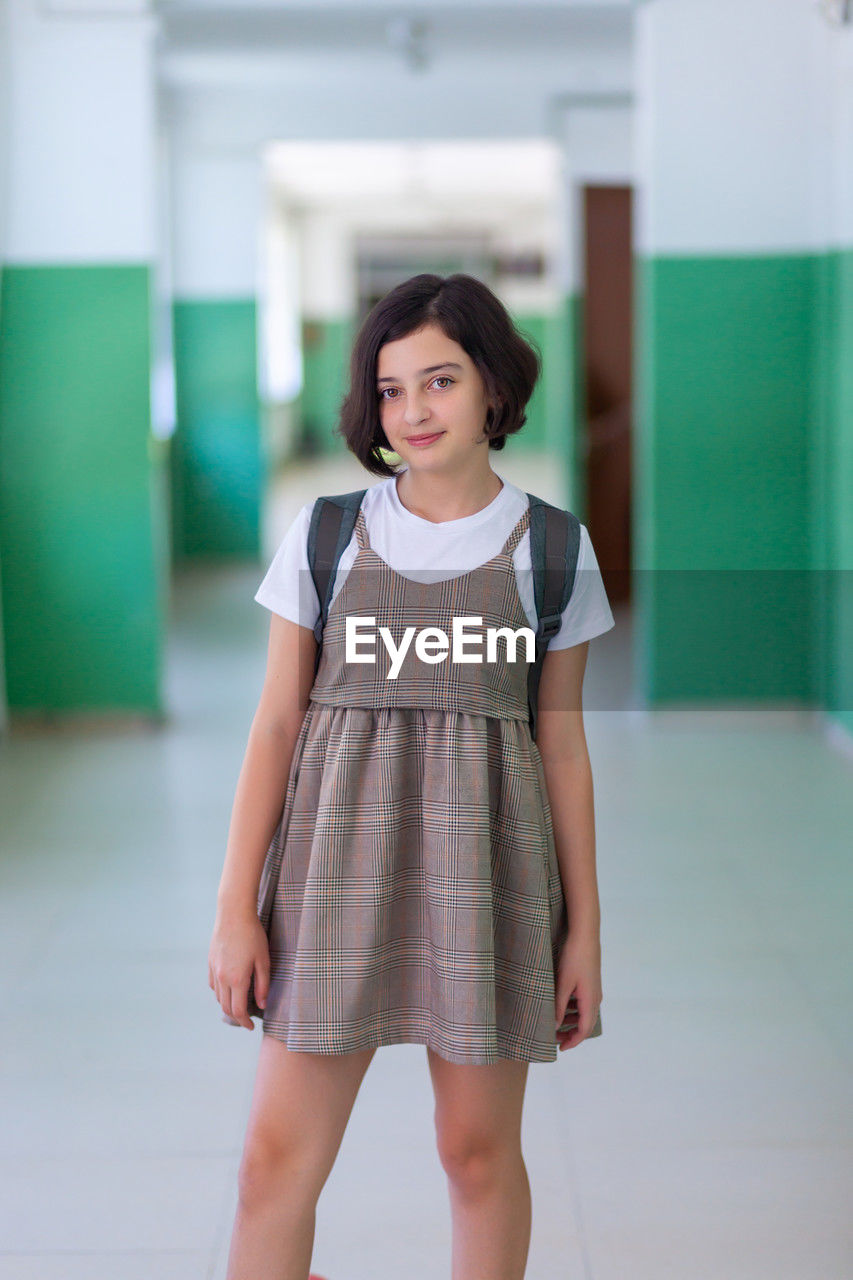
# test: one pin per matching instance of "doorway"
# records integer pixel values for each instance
(606, 381)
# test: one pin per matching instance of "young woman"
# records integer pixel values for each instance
(405, 863)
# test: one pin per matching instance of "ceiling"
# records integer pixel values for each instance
(473, 26)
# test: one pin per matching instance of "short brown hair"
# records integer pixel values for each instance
(468, 312)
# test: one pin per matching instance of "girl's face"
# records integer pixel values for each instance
(428, 385)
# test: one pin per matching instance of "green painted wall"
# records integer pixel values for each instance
(326, 346)
(833, 485)
(534, 434)
(554, 414)
(81, 536)
(4, 705)
(725, 461)
(573, 306)
(218, 462)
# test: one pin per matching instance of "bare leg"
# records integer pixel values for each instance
(478, 1133)
(300, 1108)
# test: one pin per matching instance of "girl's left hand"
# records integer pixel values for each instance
(578, 990)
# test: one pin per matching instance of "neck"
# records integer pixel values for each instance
(436, 497)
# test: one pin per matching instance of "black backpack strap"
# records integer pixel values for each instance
(554, 548)
(332, 521)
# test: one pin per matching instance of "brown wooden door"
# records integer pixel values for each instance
(607, 311)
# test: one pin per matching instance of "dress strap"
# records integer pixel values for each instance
(517, 533)
(361, 530)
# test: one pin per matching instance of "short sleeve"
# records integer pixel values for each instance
(288, 588)
(588, 612)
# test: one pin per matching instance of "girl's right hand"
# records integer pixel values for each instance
(239, 948)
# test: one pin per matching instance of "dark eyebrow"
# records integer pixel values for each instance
(448, 364)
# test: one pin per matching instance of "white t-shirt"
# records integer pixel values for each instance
(427, 552)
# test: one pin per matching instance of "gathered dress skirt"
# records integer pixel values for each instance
(411, 892)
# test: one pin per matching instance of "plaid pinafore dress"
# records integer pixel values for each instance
(412, 893)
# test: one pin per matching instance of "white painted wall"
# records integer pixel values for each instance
(279, 330)
(327, 278)
(596, 147)
(733, 146)
(216, 202)
(81, 155)
(840, 132)
(5, 124)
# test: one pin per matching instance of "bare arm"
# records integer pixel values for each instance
(568, 777)
(266, 765)
(568, 774)
(239, 949)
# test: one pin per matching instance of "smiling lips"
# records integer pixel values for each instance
(425, 439)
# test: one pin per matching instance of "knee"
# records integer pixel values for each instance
(271, 1167)
(473, 1159)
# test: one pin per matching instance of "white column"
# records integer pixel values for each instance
(80, 102)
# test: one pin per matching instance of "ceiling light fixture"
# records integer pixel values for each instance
(838, 12)
(408, 37)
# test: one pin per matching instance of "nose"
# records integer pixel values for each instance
(416, 410)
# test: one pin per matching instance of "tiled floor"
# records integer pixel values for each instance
(706, 1135)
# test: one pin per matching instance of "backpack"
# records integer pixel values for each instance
(554, 547)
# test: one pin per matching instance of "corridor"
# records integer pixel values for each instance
(705, 1134)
